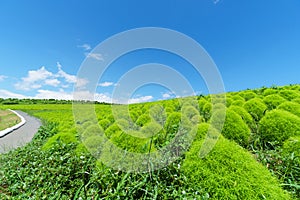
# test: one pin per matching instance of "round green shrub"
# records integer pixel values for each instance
(297, 100)
(273, 100)
(229, 172)
(256, 108)
(64, 137)
(291, 107)
(245, 116)
(190, 111)
(289, 94)
(134, 115)
(278, 125)
(270, 91)
(238, 103)
(292, 145)
(237, 97)
(247, 95)
(150, 129)
(201, 103)
(143, 120)
(205, 130)
(104, 123)
(229, 101)
(110, 118)
(92, 131)
(173, 122)
(157, 113)
(206, 111)
(234, 127)
(112, 130)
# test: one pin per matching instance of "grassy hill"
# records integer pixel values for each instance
(251, 139)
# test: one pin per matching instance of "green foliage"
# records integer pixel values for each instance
(206, 111)
(104, 123)
(244, 115)
(238, 103)
(291, 107)
(234, 127)
(284, 163)
(237, 97)
(231, 172)
(273, 100)
(112, 130)
(158, 114)
(296, 100)
(247, 95)
(289, 94)
(256, 108)
(278, 125)
(143, 120)
(270, 91)
(173, 123)
(66, 170)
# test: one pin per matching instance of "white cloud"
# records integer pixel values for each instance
(86, 47)
(68, 77)
(96, 56)
(166, 95)
(2, 77)
(106, 84)
(52, 82)
(36, 79)
(7, 94)
(140, 99)
(103, 98)
(48, 94)
(31, 81)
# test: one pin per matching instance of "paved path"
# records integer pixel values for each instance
(22, 135)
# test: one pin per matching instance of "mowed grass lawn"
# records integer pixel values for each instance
(8, 119)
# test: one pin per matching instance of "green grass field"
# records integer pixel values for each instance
(255, 156)
(8, 119)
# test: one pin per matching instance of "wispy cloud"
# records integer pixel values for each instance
(33, 79)
(140, 99)
(7, 94)
(106, 84)
(2, 77)
(52, 82)
(96, 56)
(86, 47)
(36, 79)
(68, 77)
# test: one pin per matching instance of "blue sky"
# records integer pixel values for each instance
(43, 43)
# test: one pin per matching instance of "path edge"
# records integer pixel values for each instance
(10, 129)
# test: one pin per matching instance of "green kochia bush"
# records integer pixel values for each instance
(234, 127)
(279, 125)
(248, 95)
(230, 172)
(291, 107)
(289, 94)
(244, 115)
(143, 120)
(256, 108)
(273, 100)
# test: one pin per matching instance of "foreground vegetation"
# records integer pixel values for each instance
(8, 119)
(257, 155)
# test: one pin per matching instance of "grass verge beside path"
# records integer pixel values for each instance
(8, 119)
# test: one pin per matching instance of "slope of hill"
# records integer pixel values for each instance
(254, 156)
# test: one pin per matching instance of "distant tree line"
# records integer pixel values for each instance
(13, 101)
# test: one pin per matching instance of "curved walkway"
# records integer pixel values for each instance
(20, 136)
